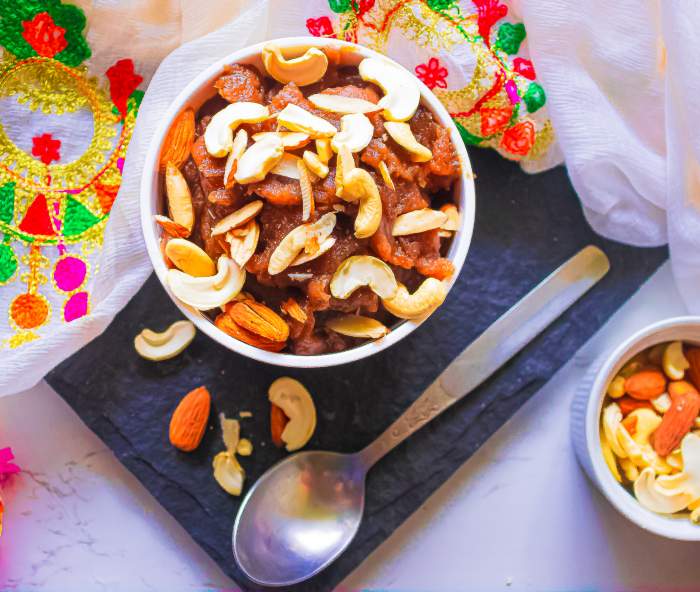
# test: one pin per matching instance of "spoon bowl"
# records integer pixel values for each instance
(299, 517)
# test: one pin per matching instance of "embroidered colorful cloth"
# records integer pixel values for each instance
(72, 82)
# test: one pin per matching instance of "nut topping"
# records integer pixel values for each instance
(429, 295)
(303, 70)
(179, 198)
(237, 218)
(401, 92)
(357, 326)
(402, 134)
(178, 142)
(296, 241)
(243, 241)
(218, 137)
(296, 119)
(258, 160)
(240, 142)
(205, 293)
(190, 258)
(290, 140)
(418, 221)
(453, 218)
(363, 270)
(287, 166)
(359, 184)
(356, 132)
(341, 104)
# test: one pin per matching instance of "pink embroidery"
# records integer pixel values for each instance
(76, 307)
(320, 27)
(69, 273)
(432, 74)
(512, 91)
(7, 467)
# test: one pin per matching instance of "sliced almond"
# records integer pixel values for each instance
(290, 140)
(363, 270)
(240, 142)
(357, 326)
(243, 246)
(452, 222)
(341, 104)
(418, 221)
(172, 228)
(189, 258)
(386, 176)
(179, 197)
(291, 307)
(359, 184)
(315, 164)
(296, 119)
(307, 193)
(258, 160)
(401, 91)
(218, 137)
(324, 150)
(295, 242)
(429, 295)
(205, 293)
(166, 345)
(356, 132)
(402, 134)
(323, 248)
(287, 166)
(302, 70)
(237, 218)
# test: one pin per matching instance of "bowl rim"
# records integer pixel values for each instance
(679, 528)
(458, 249)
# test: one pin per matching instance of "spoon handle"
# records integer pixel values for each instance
(493, 348)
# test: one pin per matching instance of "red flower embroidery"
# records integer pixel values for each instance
(123, 80)
(519, 139)
(432, 74)
(320, 27)
(360, 7)
(488, 13)
(46, 37)
(494, 120)
(46, 148)
(524, 68)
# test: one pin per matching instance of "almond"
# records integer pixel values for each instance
(178, 142)
(292, 308)
(278, 421)
(227, 324)
(628, 404)
(646, 384)
(171, 227)
(189, 421)
(261, 320)
(677, 421)
(693, 356)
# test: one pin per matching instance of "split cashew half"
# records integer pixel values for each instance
(218, 137)
(356, 132)
(302, 70)
(296, 403)
(296, 241)
(363, 270)
(358, 184)
(429, 295)
(205, 293)
(401, 92)
(166, 345)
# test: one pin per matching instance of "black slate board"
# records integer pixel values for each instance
(525, 227)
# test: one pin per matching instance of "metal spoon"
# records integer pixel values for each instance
(304, 511)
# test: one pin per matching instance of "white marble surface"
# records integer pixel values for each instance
(519, 515)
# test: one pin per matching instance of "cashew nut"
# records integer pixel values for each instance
(303, 70)
(218, 137)
(641, 454)
(363, 270)
(287, 166)
(646, 422)
(429, 295)
(290, 140)
(296, 402)
(358, 184)
(609, 457)
(315, 164)
(296, 119)
(418, 221)
(616, 388)
(452, 213)
(237, 218)
(662, 403)
(629, 469)
(323, 248)
(245, 447)
(259, 160)
(653, 498)
(612, 416)
(356, 132)
(401, 92)
(240, 142)
(179, 198)
(243, 242)
(205, 293)
(344, 163)
(674, 362)
(402, 134)
(229, 474)
(292, 244)
(189, 257)
(341, 104)
(168, 344)
(324, 150)
(357, 326)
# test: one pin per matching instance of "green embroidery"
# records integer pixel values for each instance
(534, 97)
(8, 263)
(510, 37)
(339, 6)
(77, 218)
(15, 14)
(441, 4)
(467, 137)
(7, 202)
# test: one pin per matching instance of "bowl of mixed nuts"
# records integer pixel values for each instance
(307, 202)
(636, 428)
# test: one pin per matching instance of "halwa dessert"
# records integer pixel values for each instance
(309, 206)
(650, 428)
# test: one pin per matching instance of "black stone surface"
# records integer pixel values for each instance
(525, 227)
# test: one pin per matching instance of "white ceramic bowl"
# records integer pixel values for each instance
(585, 425)
(198, 92)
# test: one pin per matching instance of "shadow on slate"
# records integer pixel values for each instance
(525, 227)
